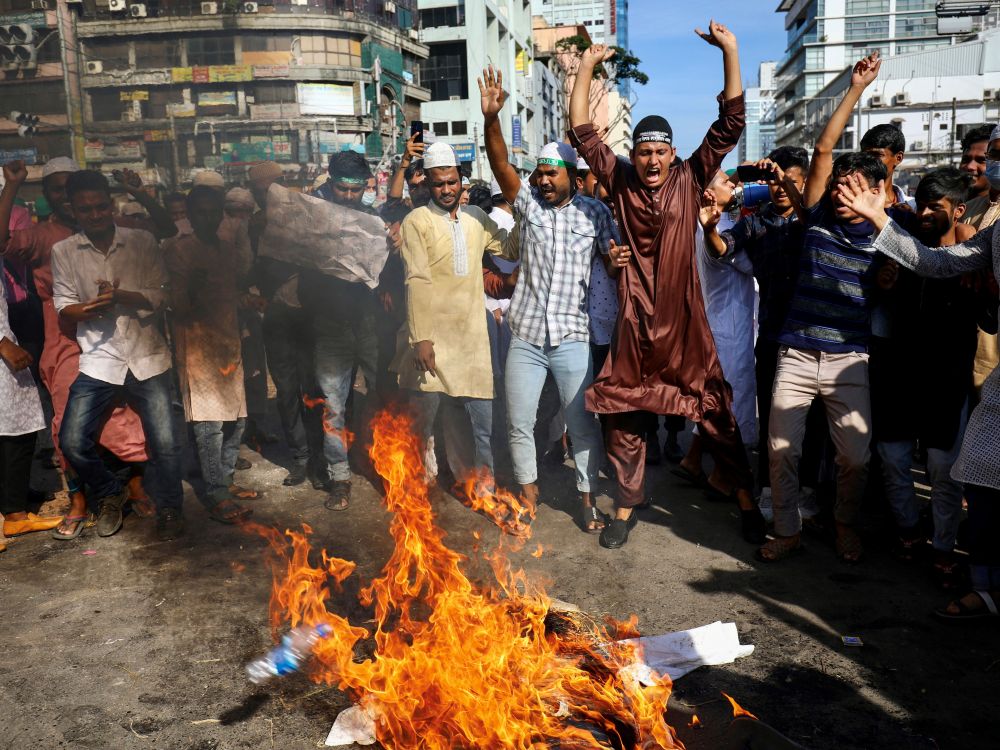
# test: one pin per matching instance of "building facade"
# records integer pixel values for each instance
(824, 37)
(463, 39)
(172, 87)
(757, 140)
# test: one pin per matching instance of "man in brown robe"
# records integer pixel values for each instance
(663, 357)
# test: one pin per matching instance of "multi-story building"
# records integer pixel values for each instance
(757, 140)
(463, 38)
(827, 36)
(934, 97)
(177, 85)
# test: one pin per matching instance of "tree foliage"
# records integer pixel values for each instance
(623, 66)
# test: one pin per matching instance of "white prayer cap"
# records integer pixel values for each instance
(439, 154)
(133, 208)
(495, 188)
(557, 154)
(581, 165)
(240, 198)
(59, 164)
(995, 134)
(209, 178)
(466, 182)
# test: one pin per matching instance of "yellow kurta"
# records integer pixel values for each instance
(444, 300)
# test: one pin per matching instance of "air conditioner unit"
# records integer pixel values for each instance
(209, 9)
(876, 101)
(990, 94)
(413, 34)
(95, 66)
(250, 8)
(137, 11)
(917, 146)
(117, 5)
(390, 7)
(901, 99)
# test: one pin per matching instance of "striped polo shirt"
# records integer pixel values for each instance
(831, 307)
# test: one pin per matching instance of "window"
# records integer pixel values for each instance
(158, 53)
(902, 6)
(156, 107)
(904, 47)
(814, 83)
(433, 17)
(815, 58)
(444, 71)
(459, 128)
(919, 25)
(857, 7)
(331, 49)
(270, 43)
(273, 93)
(48, 46)
(112, 52)
(211, 50)
(46, 97)
(106, 104)
(867, 27)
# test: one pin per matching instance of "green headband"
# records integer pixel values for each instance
(554, 163)
(350, 180)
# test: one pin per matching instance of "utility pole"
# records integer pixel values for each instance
(954, 127)
(66, 24)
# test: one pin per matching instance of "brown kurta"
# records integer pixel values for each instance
(663, 357)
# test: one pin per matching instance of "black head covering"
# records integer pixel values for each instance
(652, 129)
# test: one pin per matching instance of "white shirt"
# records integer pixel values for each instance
(122, 339)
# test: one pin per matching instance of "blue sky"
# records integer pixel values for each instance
(685, 73)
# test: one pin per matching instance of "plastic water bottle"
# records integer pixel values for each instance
(287, 656)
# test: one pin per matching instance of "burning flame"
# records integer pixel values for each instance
(695, 722)
(456, 664)
(738, 710)
(228, 369)
(346, 436)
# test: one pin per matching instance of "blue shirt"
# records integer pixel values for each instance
(831, 306)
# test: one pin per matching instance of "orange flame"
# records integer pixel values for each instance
(738, 710)
(456, 664)
(346, 436)
(539, 551)
(695, 722)
(228, 369)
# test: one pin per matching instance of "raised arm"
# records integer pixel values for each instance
(939, 262)
(725, 132)
(163, 226)
(413, 152)
(865, 71)
(493, 98)
(584, 135)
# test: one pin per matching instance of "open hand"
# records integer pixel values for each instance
(718, 36)
(868, 204)
(777, 173)
(423, 359)
(709, 214)
(129, 180)
(15, 357)
(596, 54)
(15, 173)
(866, 70)
(620, 255)
(414, 150)
(491, 91)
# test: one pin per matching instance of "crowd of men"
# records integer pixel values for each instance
(837, 315)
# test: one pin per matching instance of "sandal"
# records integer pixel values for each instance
(228, 511)
(965, 612)
(849, 547)
(244, 493)
(593, 521)
(143, 506)
(779, 548)
(60, 532)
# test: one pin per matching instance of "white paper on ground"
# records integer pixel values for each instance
(677, 654)
(353, 725)
(313, 233)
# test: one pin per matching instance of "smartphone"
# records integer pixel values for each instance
(417, 129)
(750, 173)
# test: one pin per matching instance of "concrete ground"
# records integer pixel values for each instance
(130, 643)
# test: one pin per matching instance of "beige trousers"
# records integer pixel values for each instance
(841, 381)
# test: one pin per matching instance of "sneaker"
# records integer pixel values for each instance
(169, 524)
(808, 504)
(766, 504)
(109, 518)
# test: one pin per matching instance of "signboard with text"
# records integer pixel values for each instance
(465, 151)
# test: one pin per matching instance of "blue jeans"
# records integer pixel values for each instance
(570, 365)
(946, 493)
(218, 446)
(467, 425)
(341, 348)
(88, 405)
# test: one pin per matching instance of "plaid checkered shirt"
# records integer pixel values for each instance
(556, 247)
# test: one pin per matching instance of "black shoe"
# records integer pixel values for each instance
(109, 518)
(242, 464)
(754, 526)
(169, 524)
(340, 496)
(615, 534)
(296, 476)
(320, 479)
